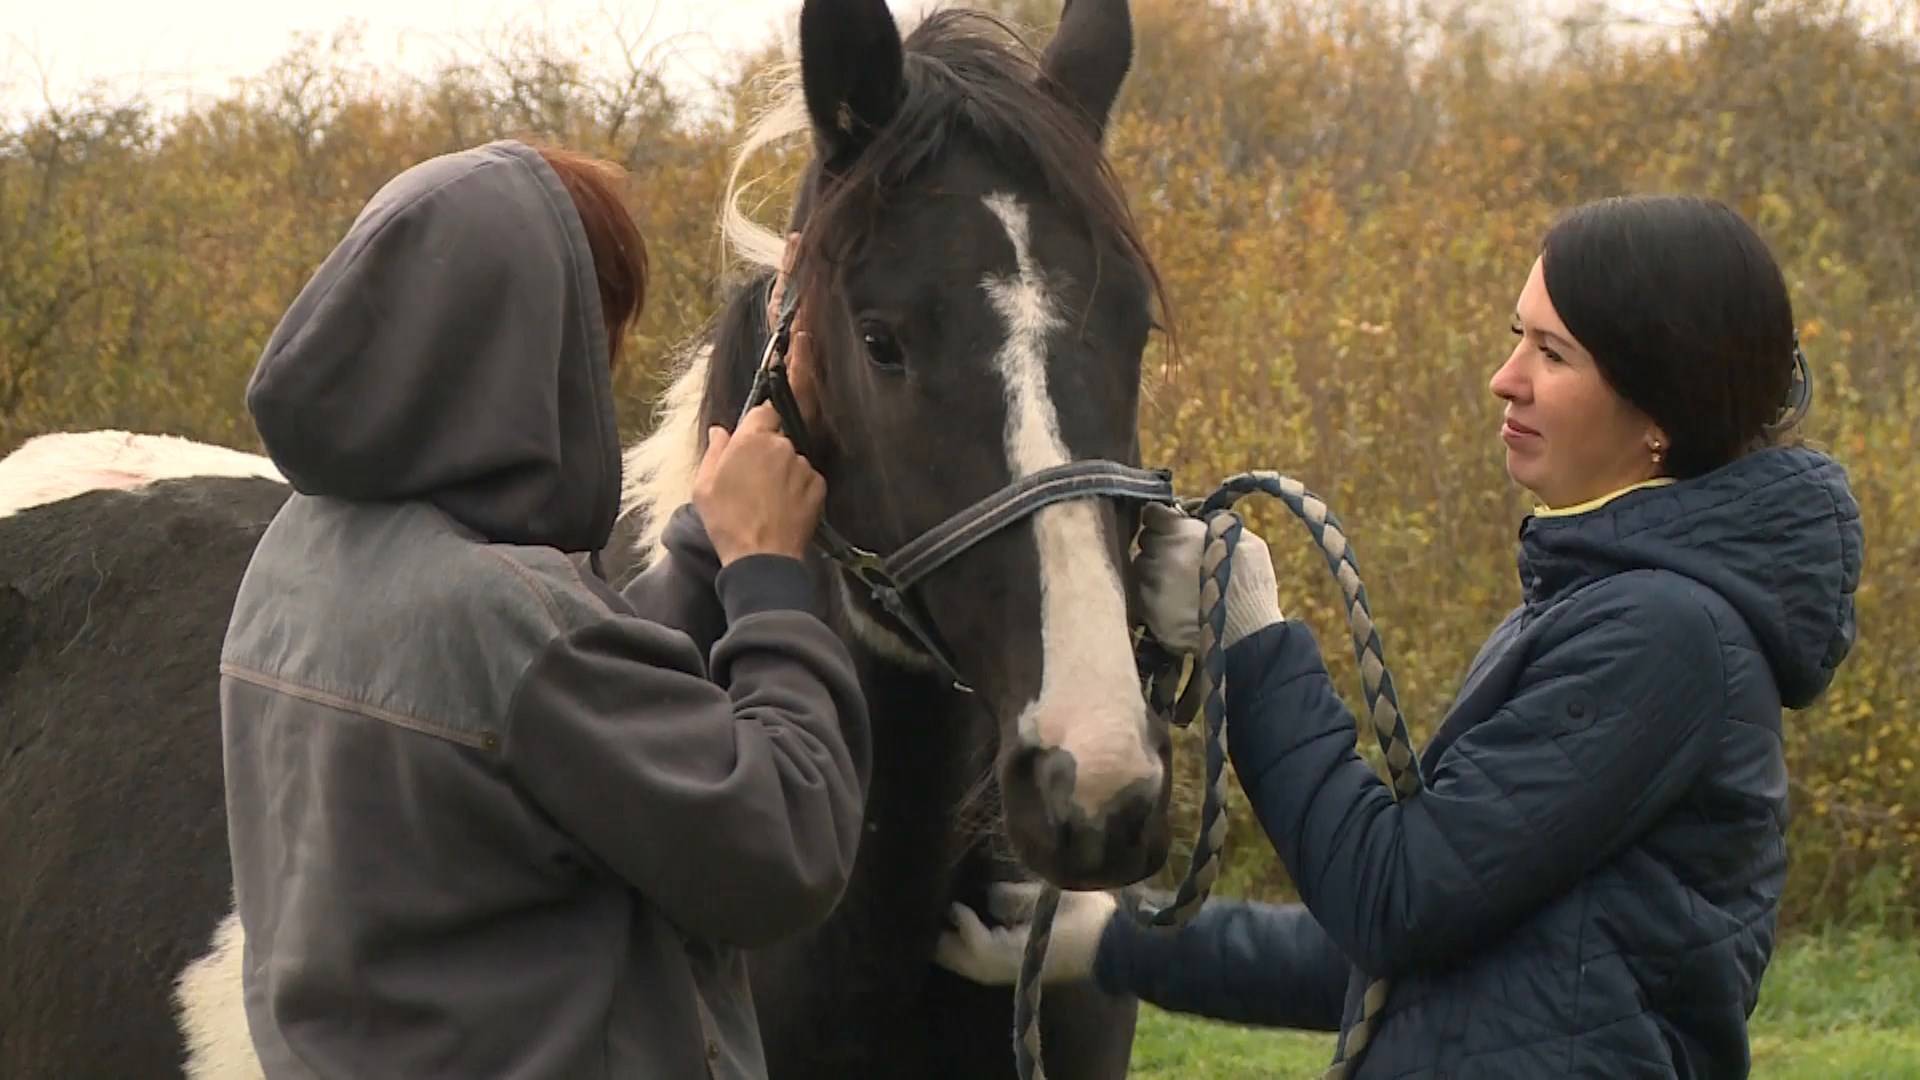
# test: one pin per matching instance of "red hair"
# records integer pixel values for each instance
(619, 251)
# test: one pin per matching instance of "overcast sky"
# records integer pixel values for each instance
(176, 48)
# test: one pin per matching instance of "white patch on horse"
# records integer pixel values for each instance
(1089, 702)
(213, 1012)
(49, 468)
(657, 472)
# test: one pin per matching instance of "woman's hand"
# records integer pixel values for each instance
(1168, 567)
(754, 491)
(991, 954)
(1171, 548)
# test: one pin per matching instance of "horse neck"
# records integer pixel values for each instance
(930, 748)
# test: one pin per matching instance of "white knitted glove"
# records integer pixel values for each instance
(1168, 567)
(1253, 601)
(991, 954)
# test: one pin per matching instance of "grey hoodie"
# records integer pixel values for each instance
(487, 818)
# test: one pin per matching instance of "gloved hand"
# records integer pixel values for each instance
(1171, 547)
(991, 954)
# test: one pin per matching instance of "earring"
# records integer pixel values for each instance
(1658, 453)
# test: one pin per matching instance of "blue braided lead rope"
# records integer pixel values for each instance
(1224, 529)
(1376, 682)
(1203, 869)
(1026, 1001)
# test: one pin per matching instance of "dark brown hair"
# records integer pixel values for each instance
(1687, 315)
(619, 251)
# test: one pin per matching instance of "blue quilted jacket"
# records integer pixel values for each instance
(1588, 885)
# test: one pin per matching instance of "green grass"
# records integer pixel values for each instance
(1833, 1007)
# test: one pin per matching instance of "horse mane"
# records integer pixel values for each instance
(967, 75)
(658, 470)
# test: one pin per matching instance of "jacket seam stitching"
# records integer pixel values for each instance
(478, 741)
(532, 583)
(1506, 797)
(1579, 974)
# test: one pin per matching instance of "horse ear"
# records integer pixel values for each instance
(851, 67)
(1089, 55)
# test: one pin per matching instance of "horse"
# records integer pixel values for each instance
(981, 302)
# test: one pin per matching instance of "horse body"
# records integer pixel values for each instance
(114, 873)
(987, 320)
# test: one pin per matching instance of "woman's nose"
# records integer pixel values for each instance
(1508, 383)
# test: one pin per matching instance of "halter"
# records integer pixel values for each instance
(888, 578)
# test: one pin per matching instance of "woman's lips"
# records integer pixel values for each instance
(1516, 433)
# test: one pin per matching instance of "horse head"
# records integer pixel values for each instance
(979, 303)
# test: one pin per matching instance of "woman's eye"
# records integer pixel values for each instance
(1545, 350)
(881, 347)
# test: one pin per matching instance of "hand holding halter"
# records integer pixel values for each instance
(771, 383)
(771, 380)
(1160, 669)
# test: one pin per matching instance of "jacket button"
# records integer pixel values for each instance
(1576, 709)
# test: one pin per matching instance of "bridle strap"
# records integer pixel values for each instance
(1074, 480)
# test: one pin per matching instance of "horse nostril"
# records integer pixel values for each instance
(1129, 813)
(1050, 773)
(1120, 841)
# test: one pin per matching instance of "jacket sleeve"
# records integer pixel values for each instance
(679, 590)
(1237, 960)
(1605, 730)
(733, 804)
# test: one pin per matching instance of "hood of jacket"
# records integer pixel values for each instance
(451, 349)
(1776, 533)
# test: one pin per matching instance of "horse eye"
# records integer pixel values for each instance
(882, 349)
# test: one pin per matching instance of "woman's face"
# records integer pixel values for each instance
(1569, 436)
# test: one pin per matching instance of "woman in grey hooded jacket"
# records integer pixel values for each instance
(488, 816)
(1588, 884)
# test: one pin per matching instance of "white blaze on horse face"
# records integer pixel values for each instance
(1089, 703)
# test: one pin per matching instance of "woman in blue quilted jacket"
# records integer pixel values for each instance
(1588, 884)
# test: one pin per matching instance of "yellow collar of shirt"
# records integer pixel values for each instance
(1595, 504)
